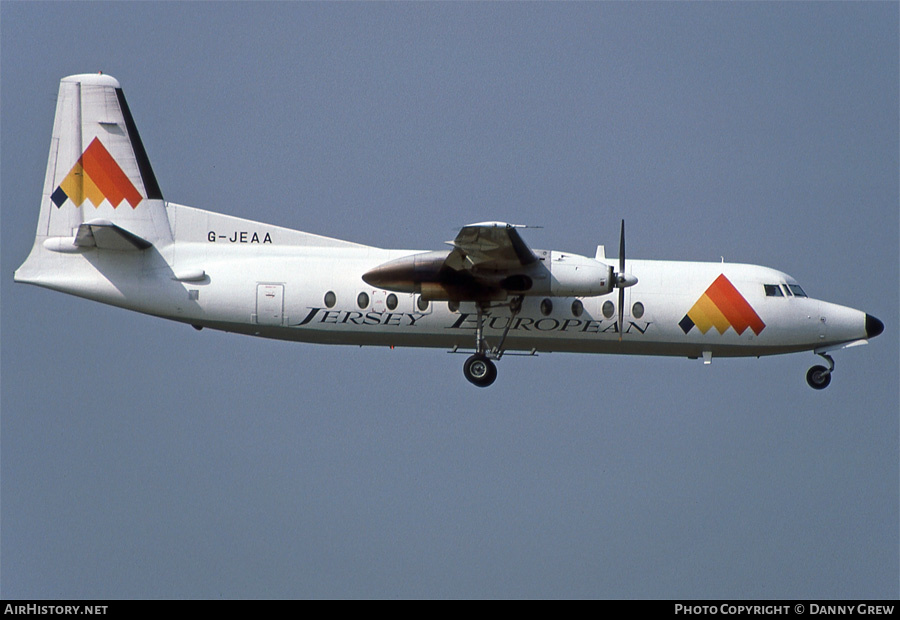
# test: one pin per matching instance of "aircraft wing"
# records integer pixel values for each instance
(489, 245)
(486, 262)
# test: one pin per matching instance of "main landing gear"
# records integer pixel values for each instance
(479, 369)
(818, 377)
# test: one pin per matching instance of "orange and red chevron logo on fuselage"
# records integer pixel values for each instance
(96, 176)
(722, 306)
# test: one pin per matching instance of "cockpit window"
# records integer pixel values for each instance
(796, 290)
(773, 290)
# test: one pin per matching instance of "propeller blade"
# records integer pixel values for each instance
(622, 281)
(621, 312)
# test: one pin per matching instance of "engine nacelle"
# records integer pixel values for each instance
(578, 276)
(406, 275)
(556, 274)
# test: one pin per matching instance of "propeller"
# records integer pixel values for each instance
(622, 280)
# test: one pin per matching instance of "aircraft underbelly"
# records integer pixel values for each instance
(446, 337)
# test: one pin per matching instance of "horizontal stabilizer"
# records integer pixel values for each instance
(105, 235)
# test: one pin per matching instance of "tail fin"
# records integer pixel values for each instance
(99, 178)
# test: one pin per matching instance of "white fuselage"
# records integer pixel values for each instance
(246, 277)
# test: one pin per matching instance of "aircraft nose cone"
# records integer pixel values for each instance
(873, 326)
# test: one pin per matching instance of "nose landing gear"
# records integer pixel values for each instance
(818, 377)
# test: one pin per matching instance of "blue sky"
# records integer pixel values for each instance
(143, 459)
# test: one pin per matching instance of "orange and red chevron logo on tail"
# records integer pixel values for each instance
(96, 176)
(722, 306)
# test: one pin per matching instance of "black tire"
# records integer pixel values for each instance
(480, 371)
(818, 377)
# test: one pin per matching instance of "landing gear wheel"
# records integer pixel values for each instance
(818, 377)
(480, 371)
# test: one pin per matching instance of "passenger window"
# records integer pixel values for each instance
(608, 309)
(796, 290)
(773, 290)
(577, 308)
